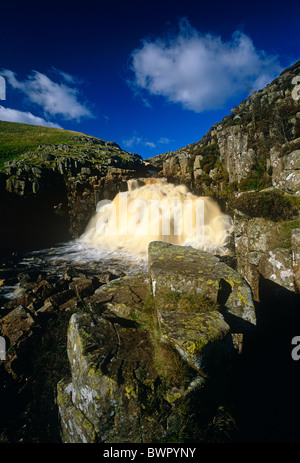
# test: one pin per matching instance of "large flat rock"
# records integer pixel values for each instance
(187, 270)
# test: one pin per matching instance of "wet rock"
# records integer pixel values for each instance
(21, 331)
(73, 272)
(43, 289)
(59, 298)
(47, 308)
(83, 287)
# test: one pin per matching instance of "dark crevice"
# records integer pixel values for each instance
(107, 361)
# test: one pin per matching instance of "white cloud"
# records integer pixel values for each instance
(55, 99)
(164, 141)
(13, 115)
(136, 140)
(200, 71)
(150, 144)
(69, 78)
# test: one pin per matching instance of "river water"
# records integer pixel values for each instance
(52, 262)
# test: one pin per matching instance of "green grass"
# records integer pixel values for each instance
(17, 138)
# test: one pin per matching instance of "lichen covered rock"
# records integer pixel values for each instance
(115, 393)
(188, 270)
(276, 266)
(202, 340)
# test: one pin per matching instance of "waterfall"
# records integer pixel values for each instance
(155, 210)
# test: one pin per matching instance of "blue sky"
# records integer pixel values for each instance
(153, 76)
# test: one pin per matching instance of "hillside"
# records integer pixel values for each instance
(17, 138)
(30, 142)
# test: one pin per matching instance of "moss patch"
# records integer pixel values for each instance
(174, 301)
(273, 205)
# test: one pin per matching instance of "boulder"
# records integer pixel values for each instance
(124, 296)
(82, 287)
(187, 270)
(112, 379)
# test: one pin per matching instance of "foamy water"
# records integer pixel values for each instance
(154, 210)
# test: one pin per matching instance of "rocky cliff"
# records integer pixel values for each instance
(250, 163)
(255, 147)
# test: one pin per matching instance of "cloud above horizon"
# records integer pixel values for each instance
(200, 71)
(53, 98)
(14, 115)
(136, 140)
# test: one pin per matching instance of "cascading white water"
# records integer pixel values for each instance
(155, 210)
(117, 237)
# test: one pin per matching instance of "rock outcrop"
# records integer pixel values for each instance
(151, 356)
(265, 247)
